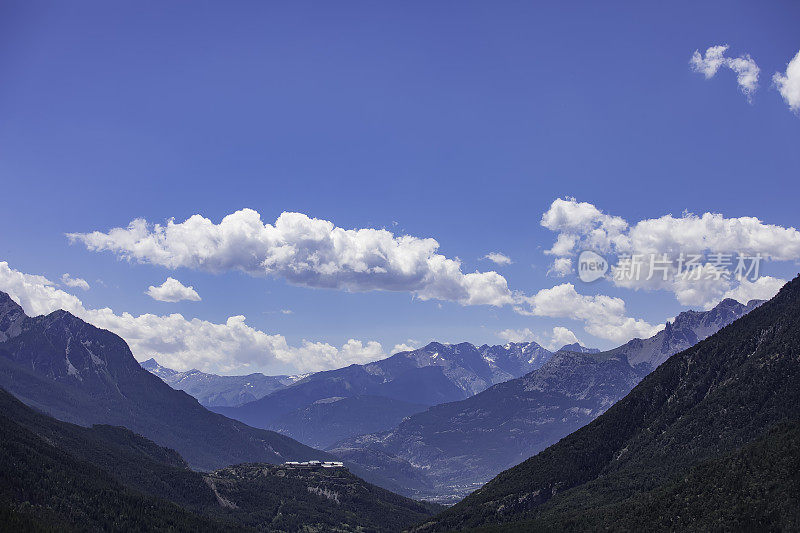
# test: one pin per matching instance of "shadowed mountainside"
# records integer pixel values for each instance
(717, 405)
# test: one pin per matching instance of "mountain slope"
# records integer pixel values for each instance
(81, 374)
(61, 476)
(214, 390)
(57, 476)
(458, 446)
(685, 331)
(700, 405)
(286, 499)
(754, 488)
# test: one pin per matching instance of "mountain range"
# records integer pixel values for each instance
(707, 441)
(78, 373)
(214, 390)
(452, 449)
(325, 407)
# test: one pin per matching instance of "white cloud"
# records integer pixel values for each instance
(708, 65)
(407, 346)
(182, 343)
(561, 337)
(700, 287)
(498, 258)
(355, 351)
(746, 74)
(561, 267)
(172, 290)
(688, 234)
(581, 226)
(517, 335)
(744, 66)
(707, 285)
(788, 84)
(763, 288)
(315, 253)
(304, 251)
(554, 340)
(287, 312)
(79, 283)
(402, 347)
(603, 315)
(715, 232)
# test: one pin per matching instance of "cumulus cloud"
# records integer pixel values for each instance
(79, 283)
(315, 253)
(498, 258)
(561, 337)
(553, 340)
(788, 83)
(561, 267)
(172, 290)
(184, 343)
(517, 335)
(763, 288)
(744, 66)
(604, 316)
(358, 351)
(407, 346)
(584, 227)
(304, 251)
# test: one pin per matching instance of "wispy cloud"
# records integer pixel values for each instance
(498, 258)
(78, 283)
(744, 66)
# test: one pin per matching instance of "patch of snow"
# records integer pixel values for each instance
(332, 399)
(71, 370)
(96, 360)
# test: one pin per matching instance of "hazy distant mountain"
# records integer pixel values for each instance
(578, 348)
(435, 374)
(62, 477)
(456, 447)
(331, 420)
(214, 390)
(709, 441)
(85, 375)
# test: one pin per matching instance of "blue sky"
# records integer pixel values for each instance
(457, 121)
